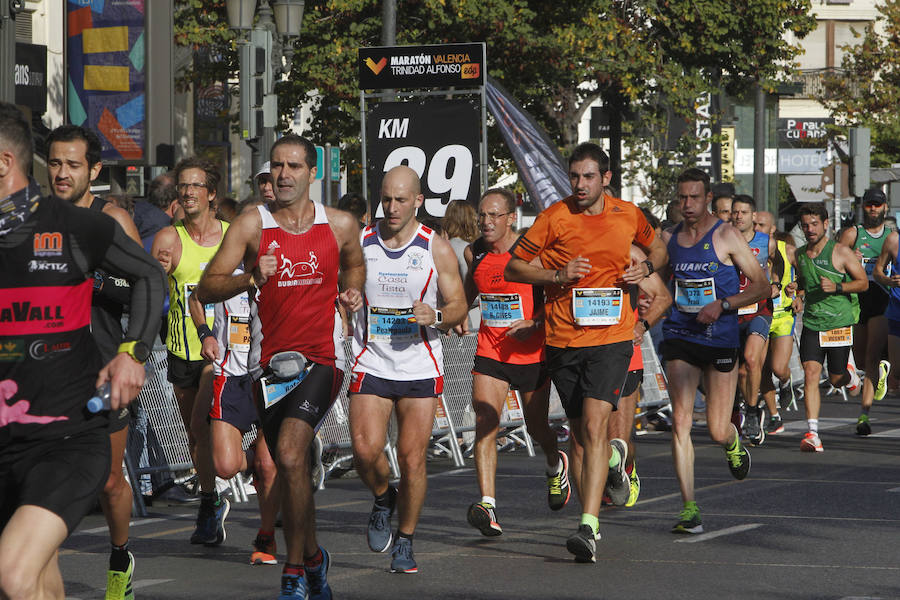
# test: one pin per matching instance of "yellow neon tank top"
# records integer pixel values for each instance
(182, 340)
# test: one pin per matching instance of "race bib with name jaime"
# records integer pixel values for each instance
(597, 306)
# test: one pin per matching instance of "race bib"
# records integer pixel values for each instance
(209, 309)
(836, 338)
(749, 309)
(869, 265)
(597, 306)
(273, 391)
(394, 325)
(691, 295)
(776, 302)
(500, 310)
(239, 333)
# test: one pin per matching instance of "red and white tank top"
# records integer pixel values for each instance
(502, 303)
(387, 342)
(295, 308)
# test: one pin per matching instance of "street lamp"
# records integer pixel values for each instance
(288, 20)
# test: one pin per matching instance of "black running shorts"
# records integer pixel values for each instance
(233, 402)
(723, 360)
(590, 372)
(633, 382)
(810, 350)
(185, 373)
(872, 303)
(525, 378)
(62, 475)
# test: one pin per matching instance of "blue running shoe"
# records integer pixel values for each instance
(379, 532)
(221, 513)
(292, 587)
(316, 578)
(403, 561)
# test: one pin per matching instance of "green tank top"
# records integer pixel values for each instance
(823, 311)
(870, 247)
(182, 340)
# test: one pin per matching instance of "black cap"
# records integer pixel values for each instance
(874, 196)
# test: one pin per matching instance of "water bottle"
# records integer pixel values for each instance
(103, 395)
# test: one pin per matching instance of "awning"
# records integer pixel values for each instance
(807, 188)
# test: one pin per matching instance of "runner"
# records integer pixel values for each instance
(73, 162)
(510, 354)
(871, 332)
(298, 249)
(398, 358)
(184, 250)
(829, 277)
(584, 243)
(701, 336)
(54, 454)
(754, 320)
(781, 334)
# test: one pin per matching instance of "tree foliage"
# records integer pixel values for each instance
(866, 90)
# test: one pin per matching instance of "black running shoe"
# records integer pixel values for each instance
(738, 461)
(583, 545)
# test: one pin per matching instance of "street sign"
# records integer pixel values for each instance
(335, 163)
(320, 163)
(442, 65)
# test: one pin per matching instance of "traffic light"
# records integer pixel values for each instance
(255, 82)
(860, 148)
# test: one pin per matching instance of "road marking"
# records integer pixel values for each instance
(714, 534)
(452, 472)
(890, 433)
(136, 585)
(131, 524)
(824, 425)
(896, 489)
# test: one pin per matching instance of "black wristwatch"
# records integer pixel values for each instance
(138, 350)
(645, 324)
(726, 305)
(650, 269)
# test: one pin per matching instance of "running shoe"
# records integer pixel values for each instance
(483, 517)
(292, 587)
(635, 487)
(220, 514)
(558, 489)
(317, 472)
(689, 519)
(737, 419)
(855, 384)
(618, 484)
(403, 560)
(753, 430)
(786, 397)
(316, 578)
(776, 425)
(811, 443)
(210, 529)
(862, 425)
(379, 532)
(263, 551)
(738, 461)
(118, 583)
(583, 544)
(884, 367)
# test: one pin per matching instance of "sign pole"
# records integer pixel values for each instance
(7, 52)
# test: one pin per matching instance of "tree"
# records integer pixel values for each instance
(866, 90)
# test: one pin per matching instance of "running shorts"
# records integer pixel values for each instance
(760, 325)
(185, 373)
(525, 378)
(366, 383)
(589, 372)
(232, 401)
(633, 382)
(872, 303)
(723, 360)
(810, 350)
(782, 325)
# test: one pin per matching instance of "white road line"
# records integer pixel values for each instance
(801, 426)
(142, 583)
(896, 489)
(714, 534)
(890, 433)
(131, 524)
(452, 472)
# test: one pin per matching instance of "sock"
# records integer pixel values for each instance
(408, 536)
(314, 561)
(118, 558)
(292, 569)
(865, 410)
(614, 459)
(775, 415)
(551, 471)
(592, 521)
(489, 500)
(386, 499)
(209, 499)
(813, 425)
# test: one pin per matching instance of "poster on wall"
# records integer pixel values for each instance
(438, 139)
(106, 74)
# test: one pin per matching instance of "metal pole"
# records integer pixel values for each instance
(759, 147)
(326, 176)
(389, 22)
(365, 179)
(838, 192)
(7, 52)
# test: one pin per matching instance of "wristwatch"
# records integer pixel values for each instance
(726, 305)
(138, 350)
(438, 317)
(650, 268)
(645, 324)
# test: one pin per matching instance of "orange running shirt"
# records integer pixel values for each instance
(503, 301)
(562, 233)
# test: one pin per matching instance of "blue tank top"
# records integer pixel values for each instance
(699, 278)
(893, 309)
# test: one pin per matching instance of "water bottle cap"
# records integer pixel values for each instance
(95, 405)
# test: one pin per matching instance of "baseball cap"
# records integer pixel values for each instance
(874, 196)
(265, 169)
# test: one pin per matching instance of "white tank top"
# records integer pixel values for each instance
(386, 342)
(231, 326)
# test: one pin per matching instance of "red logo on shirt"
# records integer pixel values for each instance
(48, 244)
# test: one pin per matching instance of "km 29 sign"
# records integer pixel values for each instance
(438, 139)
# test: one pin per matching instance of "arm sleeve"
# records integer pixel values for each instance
(532, 243)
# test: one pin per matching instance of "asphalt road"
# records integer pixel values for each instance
(801, 526)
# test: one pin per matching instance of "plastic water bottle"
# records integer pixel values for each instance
(103, 395)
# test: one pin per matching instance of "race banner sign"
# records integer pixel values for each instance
(438, 139)
(437, 66)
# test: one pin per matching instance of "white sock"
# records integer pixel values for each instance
(489, 500)
(813, 425)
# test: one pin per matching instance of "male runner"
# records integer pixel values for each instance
(754, 320)
(297, 249)
(265, 185)
(722, 207)
(706, 257)
(184, 250)
(54, 454)
(510, 353)
(829, 277)
(584, 245)
(781, 334)
(73, 162)
(871, 332)
(398, 359)
(887, 274)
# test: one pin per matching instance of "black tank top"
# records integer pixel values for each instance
(48, 358)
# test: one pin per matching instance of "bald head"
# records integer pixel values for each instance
(765, 222)
(403, 176)
(401, 197)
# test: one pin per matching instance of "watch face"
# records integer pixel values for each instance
(141, 351)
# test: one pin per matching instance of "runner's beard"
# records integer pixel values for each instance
(870, 222)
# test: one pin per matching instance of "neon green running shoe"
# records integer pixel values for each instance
(884, 367)
(118, 583)
(635, 490)
(689, 519)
